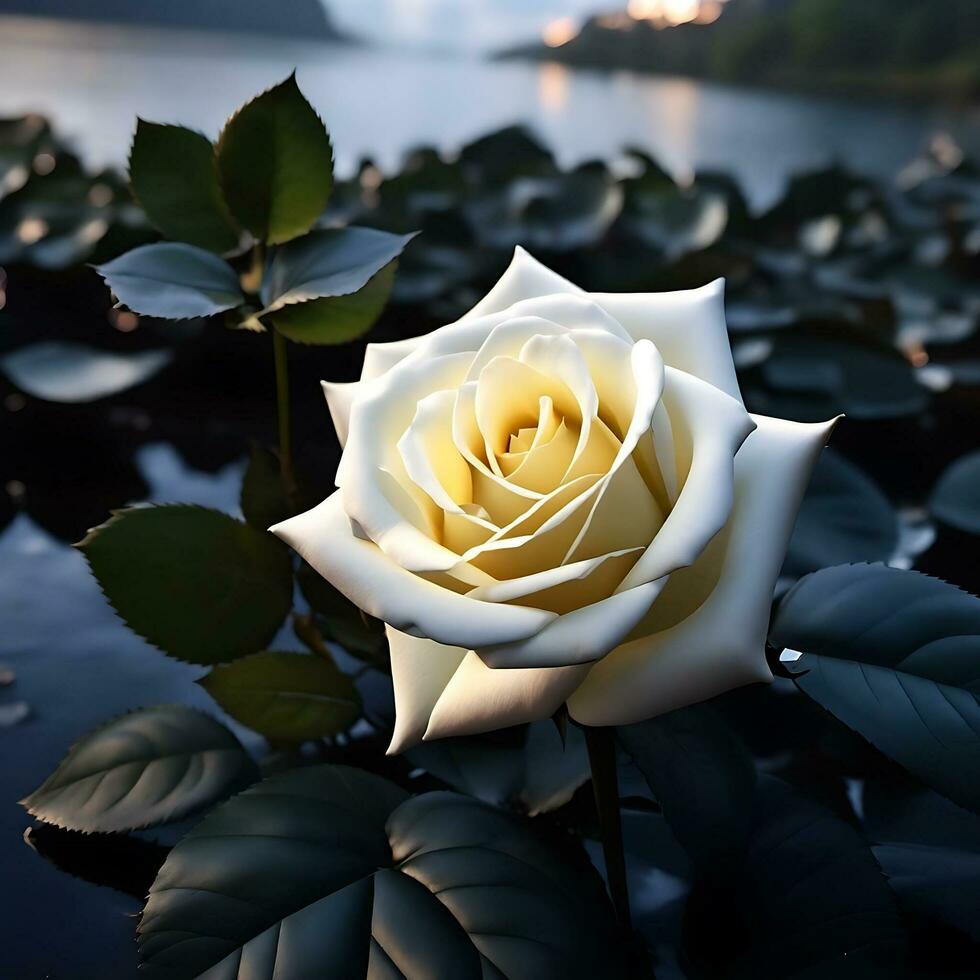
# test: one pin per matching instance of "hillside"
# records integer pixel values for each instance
(299, 18)
(881, 47)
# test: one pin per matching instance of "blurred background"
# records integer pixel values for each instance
(391, 74)
(819, 154)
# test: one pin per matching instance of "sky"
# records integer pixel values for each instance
(463, 24)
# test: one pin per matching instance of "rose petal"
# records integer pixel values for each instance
(603, 572)
(524, 278)
(379, 359)
(708, 427)
(420, 671)
(340, 397)
(687, 325)
(586, 634)
(430, 455)
(408, 602)
(478, 699)
(378, 418)
(721, 644)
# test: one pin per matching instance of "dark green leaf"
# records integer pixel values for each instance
(287, 696)
(330, 872)
(196, 583)
(336, 319)
(955, 499)
(359, 634)
(263, 499)
(144, 768)
(844, 518)
(275, 164)
(328, 262)
(62, 371)
(702, 776)
(895, 655)
(173, 175)
(173, 281)
(534, 769)
(929, 849)
(809, 902)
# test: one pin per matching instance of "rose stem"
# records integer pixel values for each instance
(282, 407)
(601, 743)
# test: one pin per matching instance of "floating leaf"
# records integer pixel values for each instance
(275, 164)
(329, 262)
(288, 696)
(844, 518)
(701, 775)
(173, 281)
(143, 768)
(893, 654)
(194, 582)
(336, 319)
(330, 871)
(955, 499)
(62, 371)
(173, 175)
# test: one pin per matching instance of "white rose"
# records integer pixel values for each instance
(559, 498)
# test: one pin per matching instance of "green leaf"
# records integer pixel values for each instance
(360, 635)
(289, 696)
(955, 499)
(275, 164)
(331, 872)
(929, 849)
(174, 178)
(143, 768)
(531, 767)
(703, 778)
(196, 583)
(173, 281)
(328, 262)
(263, 499)
(895, 655)
(844, 518)
(336, 319)
(808, 903)
(62, 371)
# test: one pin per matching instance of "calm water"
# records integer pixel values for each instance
(94, 80)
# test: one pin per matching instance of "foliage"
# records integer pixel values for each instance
(824, 824)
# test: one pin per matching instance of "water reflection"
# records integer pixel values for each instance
(72, 666)
(93, 80)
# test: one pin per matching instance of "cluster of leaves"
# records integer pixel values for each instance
(861, 759)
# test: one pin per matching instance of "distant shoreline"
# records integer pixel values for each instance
(926, 87)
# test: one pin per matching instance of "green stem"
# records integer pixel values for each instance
(601, 743)
(282, 411)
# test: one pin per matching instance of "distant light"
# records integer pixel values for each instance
(31, 230)
(680, 11)
(710, 11)
(560, 32)
(124, 321)
(92, 231)
(645, 9)
(44, 163)
(100, 195)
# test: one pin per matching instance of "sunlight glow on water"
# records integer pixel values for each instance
(95, 79)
